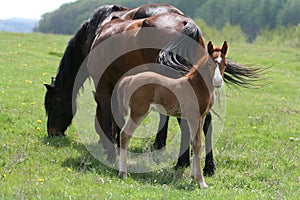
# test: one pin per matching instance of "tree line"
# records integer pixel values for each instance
(251, 15)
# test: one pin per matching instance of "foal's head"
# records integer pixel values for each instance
(218, 54)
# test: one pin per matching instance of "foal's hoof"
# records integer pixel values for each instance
(123, 175)
(203, 184)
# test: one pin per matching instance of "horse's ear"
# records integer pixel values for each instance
(52, 80)
(50, 87)
(224, 48)
(210, 47)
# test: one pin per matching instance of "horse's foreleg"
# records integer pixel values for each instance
(161, 136)
(104, 115)
(109, 136)
(210, 167)
(118, 121)
(184, 154)
(196, 171)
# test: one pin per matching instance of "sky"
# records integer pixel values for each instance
(31, 9)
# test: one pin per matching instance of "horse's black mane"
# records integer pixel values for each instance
(180, 52)
(79, 47)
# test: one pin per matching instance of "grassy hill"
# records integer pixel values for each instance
(257, 154)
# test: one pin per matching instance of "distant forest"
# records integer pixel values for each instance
(251, 15)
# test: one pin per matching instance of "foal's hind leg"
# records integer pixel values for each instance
(125, 136)
(126, 133)
(210, 167)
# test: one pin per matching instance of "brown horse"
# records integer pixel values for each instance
(148, 90)
(142, 41)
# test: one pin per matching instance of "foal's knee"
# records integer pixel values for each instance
(124, 139)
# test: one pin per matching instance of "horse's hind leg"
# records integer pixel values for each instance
(161, 136)
(184, 154)
(210, 167)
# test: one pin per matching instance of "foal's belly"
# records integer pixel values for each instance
(172, 111)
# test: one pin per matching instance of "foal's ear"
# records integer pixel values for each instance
(224, 48)
(210, 47)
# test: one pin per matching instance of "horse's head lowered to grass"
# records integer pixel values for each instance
(58, 110)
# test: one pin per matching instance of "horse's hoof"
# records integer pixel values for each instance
(123, 175)
(203, 184)
(111, 157)
(182, 165)
(209, 170)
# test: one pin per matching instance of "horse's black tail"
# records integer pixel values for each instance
(181, 52)
(243, 76)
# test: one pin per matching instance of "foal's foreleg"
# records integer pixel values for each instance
(196, 171)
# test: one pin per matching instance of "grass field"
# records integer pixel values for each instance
(257, 154)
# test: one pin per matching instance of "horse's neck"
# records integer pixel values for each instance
(71, 63)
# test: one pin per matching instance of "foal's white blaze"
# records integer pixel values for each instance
(218, 79)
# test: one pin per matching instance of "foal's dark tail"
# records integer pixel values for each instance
(243, 76)
(181, 52)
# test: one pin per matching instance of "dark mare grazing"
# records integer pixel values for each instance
(58, 99)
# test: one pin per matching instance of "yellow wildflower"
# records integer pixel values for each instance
(40, 180)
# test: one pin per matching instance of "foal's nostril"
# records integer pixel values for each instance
(218, 83)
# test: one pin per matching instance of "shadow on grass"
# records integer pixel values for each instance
(86, 162)
(61, 141)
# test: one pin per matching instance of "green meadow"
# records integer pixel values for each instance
(257, 154)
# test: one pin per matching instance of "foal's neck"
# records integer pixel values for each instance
(201, 76)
